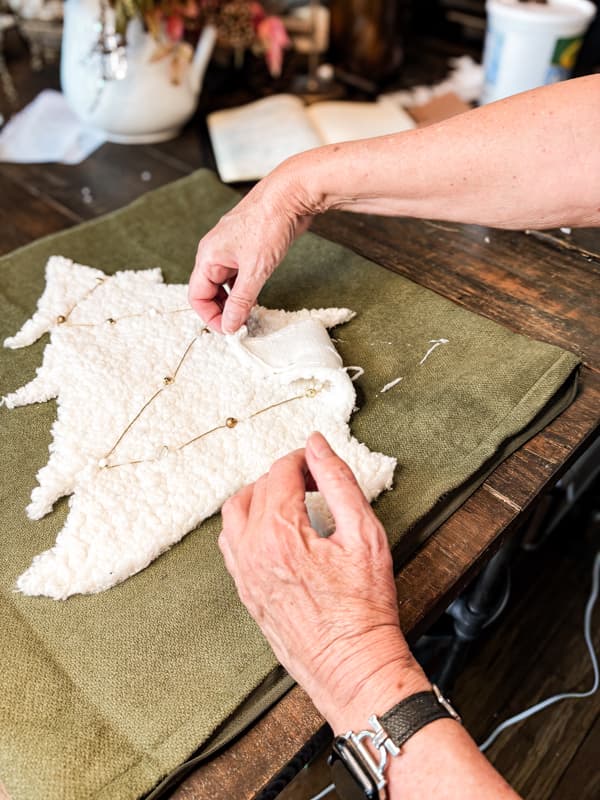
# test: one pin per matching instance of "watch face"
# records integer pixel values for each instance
(351, 775)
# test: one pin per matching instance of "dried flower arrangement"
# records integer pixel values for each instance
(174, 24)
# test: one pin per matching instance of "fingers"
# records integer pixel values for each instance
(205, 293)
(275, 503)
(223, 313)
(286, 489)
(240, 302)
(339, 487)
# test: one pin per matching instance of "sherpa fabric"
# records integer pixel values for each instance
(101, 695)
(183, 418)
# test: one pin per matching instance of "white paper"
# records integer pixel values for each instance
(48, 131)
(251, 140)
(341, 121)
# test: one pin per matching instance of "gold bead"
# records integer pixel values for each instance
(168, 380)
(311, 392)
(231, 422)
(111, 321)
(61, 319)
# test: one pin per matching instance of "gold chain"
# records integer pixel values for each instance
(230, 422)
(168, 380)
(63, 319)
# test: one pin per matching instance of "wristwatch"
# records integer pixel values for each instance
(358, 760)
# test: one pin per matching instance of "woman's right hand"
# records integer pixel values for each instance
(245, 247)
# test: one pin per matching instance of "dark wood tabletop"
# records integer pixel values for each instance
(545, 287)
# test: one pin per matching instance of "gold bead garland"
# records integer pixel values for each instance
(62, 319)
(230, 422)
(168, 380)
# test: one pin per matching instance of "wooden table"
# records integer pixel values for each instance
(531, 286)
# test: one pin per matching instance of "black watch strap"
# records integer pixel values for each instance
(413, 713)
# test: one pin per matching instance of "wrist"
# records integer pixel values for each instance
(370, 681)
(305, 180)
(380, 692)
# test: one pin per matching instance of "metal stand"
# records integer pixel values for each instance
(474, 610)
(444, 651)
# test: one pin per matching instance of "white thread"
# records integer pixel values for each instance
(358, 374)
(587, 633)
(434, 343)
(390, 385)
(323, 793)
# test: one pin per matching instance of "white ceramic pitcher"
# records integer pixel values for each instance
(141, 107)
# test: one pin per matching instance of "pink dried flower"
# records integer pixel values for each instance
(175, 27)
(274, 39)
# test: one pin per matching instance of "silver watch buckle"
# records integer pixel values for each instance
(380, 741)
(381, 738)
(445, 704)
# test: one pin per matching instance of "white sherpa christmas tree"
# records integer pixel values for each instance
(160, 421)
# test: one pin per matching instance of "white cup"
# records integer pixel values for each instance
(531, 44)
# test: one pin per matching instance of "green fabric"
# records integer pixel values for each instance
(102, 695)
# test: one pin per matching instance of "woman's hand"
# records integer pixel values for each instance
(245, 247)
(327, 606)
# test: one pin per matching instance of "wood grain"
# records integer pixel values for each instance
(538, 463)
(581, 781)
(539, 651)
(25, 216)
(515, 280)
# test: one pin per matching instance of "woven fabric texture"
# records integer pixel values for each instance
(102, 695)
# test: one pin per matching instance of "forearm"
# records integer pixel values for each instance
(441, 760)
(529, 161)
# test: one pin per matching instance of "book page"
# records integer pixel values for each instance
(251, 140)
(340, 121)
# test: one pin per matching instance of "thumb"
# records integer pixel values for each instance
(239, 303)
(336, 481)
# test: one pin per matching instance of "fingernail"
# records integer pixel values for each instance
(318, 445)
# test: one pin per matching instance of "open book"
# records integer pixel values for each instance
(251, 140)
